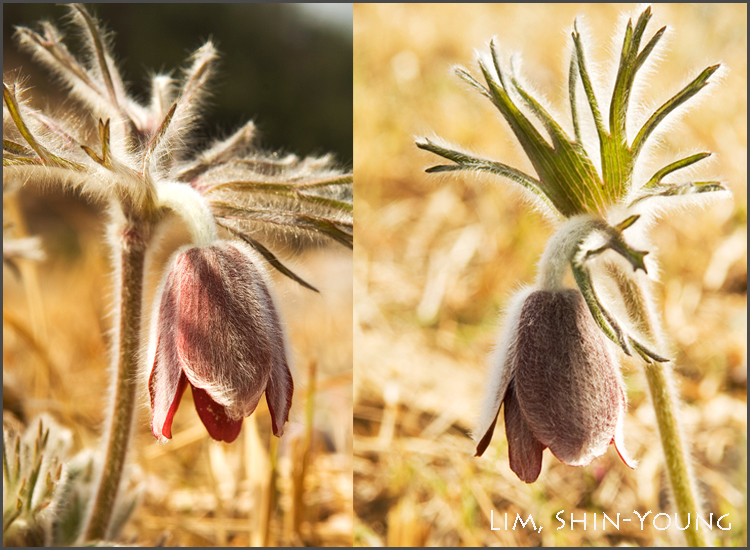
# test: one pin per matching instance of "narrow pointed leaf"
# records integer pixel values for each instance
(646, 353)
(572, 81)
(293, 220)
(681, 97)
(677, 165)
(619, 104)
(157, 137)
(587, 86)
(90, 152)
(344, 179)
(558, 135)
(270, 258)
(235, 145)
(101, 56)
(11, 515)
(44, 154)
(52, 44)
(473, 82)
(616, 242)
(606, 320)
(691, 188)
(104, 138)
(15, 113)
(16, 148)
(627, 222)
(573, 167)
(603, 318)
(630, 62)
(531, 140)
(15, 160)
(467, 162)
(648, 48)
(291, 190)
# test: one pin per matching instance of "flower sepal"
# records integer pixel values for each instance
(217, 330)
(559, 383)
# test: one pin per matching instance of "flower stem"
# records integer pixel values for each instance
(133, 241)
(637, 298)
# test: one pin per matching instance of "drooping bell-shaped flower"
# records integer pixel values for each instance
(219, 332)
(559, 383)
(569, 182)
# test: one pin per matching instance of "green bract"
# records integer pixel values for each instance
(568, 181)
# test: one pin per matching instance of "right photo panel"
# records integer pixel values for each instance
(550, 281)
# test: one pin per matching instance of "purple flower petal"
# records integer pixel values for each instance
(218, 330)
(166, 382)
(502, 370)
(524, 449)
(279, 396)
(566, 380)
(619, 439)
(486, 438)
(214, 417)
(223, 341)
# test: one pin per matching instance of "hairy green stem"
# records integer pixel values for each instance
(133, 242)
(666, 406)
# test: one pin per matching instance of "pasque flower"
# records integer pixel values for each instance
(218, 329)
(552, 369)
(559, 383)
(215, 325)
(219, 332)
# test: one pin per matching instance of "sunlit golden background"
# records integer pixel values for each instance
(437, 258)
(291, 75)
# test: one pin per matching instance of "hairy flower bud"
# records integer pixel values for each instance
(560, 386)
(218, 331)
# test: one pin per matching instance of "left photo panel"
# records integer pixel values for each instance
(177, 274)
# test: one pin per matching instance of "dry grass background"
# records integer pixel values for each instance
(436, 258)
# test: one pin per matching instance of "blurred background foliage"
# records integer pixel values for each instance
(436, 258)
(290, 71)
